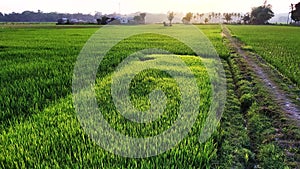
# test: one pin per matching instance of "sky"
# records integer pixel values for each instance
(131, 6)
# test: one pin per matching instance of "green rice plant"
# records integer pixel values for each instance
(278, 45)
(36, 68)
(39, 127)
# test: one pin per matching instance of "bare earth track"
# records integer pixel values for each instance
(279, 95)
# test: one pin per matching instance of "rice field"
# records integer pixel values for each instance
(278, 45)
(40, 126)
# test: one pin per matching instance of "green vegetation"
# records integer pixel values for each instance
(261, 14)
(36, 68)
(265, 123)
(39, 127)
(278, 45)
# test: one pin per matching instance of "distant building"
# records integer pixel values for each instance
(74, 21)
(124, 20)
(63, 21)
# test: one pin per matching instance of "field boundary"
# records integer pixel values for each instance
(255, 62)
(274, 106)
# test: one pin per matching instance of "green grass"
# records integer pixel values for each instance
(213, 32)
(260, 115)
(38, 123)
(39, 127)
(278, 45)
(36, 68)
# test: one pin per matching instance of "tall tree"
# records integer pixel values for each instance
(296, 13)
(198, 16)
(201, 15)
(228, 17)
(261, 15)
(137, 19)
(187, 18)
(104, 20)
(171, 16)
(246, 18)
(142, 18)
(206, 20)
(213, 15)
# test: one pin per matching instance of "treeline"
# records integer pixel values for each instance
(30, 16)
(258, 16)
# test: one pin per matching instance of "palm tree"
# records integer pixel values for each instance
(235, 17)
(219, 16)
(198, 16)
(206, 20)
(201, 16)
(246, 18)
(171, 16)
(228, 17)
(292, 9)
(213, 15)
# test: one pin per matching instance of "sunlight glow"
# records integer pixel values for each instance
(130, 6)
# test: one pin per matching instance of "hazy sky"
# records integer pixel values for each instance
(130, 6)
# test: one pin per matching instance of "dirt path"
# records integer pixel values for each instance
(280, 96)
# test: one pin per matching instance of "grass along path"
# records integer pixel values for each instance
(281, 97)
(278, 45)
(271, 129)
(47, 134)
